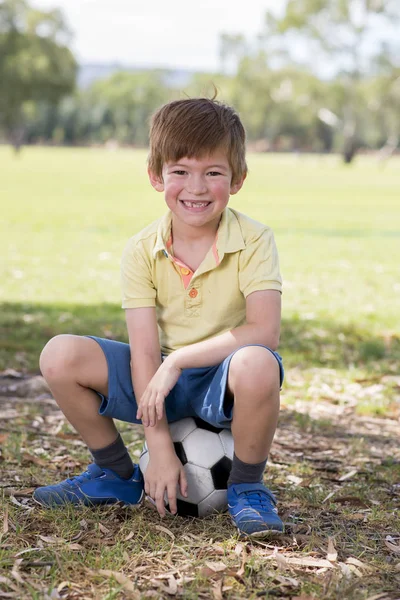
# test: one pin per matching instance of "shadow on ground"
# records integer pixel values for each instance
(26, 327)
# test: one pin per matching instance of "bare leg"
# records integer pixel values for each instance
(73, 367)
(254, 382)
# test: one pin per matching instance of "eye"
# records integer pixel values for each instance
(179, 172)
(214, 173)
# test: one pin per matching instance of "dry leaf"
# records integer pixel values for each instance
(356, 571)
(380, 596)
(24, 492)
(8, 582)
(104, 529)
(166, 575)
(218, 549)
(217, 590)
(358, 563)
(15, 501)
(165, 530)
(5, 520)
(172, 586)
(122, 579)
(34, 459)
(348, 475)
(239, 549)
(51, 540)
(280, 560)
(305, 562)
(15, 572)
(294, 479)
(27, 550)
(393, 547)
(332, 552)
(284, 580)
(216, 566)
(328, 497)
(354, 500)
(129, 536)
(74, 547)
(345, 569)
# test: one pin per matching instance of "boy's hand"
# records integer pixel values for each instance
(151, 404)
(163, 474)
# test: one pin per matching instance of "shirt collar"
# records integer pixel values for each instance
(229, 235)
(163, 234)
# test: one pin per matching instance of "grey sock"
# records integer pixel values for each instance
(114, 457)
(242, 472)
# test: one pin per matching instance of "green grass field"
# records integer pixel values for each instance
(66, 215)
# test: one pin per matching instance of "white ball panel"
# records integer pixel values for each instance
(226, 438)
(200, 483)
(215, 502)
(203, 448)
(180, 429)
(144, 459)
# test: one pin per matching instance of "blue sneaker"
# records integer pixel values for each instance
(253, 509)
(95, 486)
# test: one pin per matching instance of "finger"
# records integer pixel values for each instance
(156, 407)
(160, 501)
(145, 415)
(171, 493)
(140, 405)
(160, 407)
(183, 482)
(147, 487)
(152, 411)
(139, 413)
(152, 491)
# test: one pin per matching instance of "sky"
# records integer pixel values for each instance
(160, 33)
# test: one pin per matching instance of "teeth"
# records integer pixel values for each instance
(194, 204)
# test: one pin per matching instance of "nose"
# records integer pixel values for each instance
(196, 185)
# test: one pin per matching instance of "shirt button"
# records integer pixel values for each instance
(193, 293)
(185, 271)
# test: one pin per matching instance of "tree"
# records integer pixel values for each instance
(36, 64)
(122, 104)
(355, 38)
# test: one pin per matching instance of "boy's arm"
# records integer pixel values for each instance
(145, 361)
(164, 469)
(263, 317)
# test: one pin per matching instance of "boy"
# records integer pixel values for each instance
(202, 296)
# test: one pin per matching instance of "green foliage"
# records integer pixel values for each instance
(356, 40)
(35, 63)
(285, 103)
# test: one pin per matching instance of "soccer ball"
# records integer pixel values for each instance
(206, 454)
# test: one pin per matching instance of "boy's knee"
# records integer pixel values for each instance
(59, 356)
(253, 367)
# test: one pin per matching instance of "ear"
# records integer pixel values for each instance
(235, 187)
(156, 181)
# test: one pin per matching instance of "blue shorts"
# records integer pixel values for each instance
(198, 392)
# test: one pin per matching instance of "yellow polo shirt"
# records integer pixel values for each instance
(192, 307)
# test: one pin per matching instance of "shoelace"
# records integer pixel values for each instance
(79, 478)
(259, 500)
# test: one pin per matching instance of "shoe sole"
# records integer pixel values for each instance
(92, 504)
(265, 533)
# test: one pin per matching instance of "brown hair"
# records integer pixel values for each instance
(194, 127)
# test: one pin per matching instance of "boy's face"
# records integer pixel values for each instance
(197, 189)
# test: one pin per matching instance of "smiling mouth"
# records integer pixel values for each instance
(199, 204)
